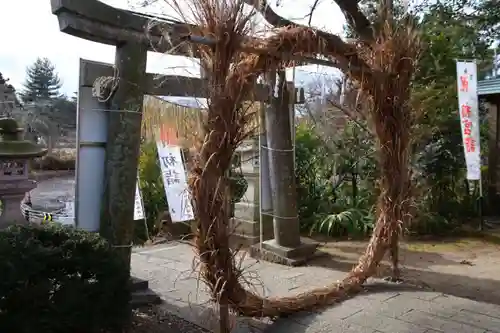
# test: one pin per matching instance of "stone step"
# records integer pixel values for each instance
(138, 284)
(144, 298)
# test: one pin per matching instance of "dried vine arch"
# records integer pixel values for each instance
(382, 63)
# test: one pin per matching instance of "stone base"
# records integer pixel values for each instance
(138, 284)
(238, 241)
(144, 298)
(141, 295)
(275, 253)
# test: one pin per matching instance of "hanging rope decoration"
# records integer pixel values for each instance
(104, 87)
(225, 126)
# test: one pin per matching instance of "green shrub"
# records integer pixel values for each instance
(348, 219)
(152, 190)
(429, 223)
(238, 186)
(335, 194)
(314, 190)
(353, 222)
(57, 279)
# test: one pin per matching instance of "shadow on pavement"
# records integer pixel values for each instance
(478, 289)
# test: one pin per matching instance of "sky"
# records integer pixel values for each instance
(37, 35)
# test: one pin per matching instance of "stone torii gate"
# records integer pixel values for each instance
(126, 85)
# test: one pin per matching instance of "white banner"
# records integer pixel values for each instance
(175, 182)
(138, 209)
(469, 117)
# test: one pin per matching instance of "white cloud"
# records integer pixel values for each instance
(36, 34)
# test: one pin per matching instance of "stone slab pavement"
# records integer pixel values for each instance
(381, 308)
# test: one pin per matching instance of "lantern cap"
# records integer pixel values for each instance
(13, 146)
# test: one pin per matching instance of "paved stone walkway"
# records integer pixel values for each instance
(383, 307)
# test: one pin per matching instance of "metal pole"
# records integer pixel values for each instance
(143, 209)
(494, 67)
(260, 150)
(293, 117)
(480, 205)
(261, 222)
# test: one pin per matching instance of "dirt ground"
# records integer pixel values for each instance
(151, 320)
(465, 267)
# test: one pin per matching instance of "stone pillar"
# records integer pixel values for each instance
(280, 151)
(123, 148)
(287, 246)
(246, 221)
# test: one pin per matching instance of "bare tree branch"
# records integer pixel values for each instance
(351, 109)
(356, 19)
(346, 54)
(349, 8)
(313, 8)
(351, 114)
(333, 146)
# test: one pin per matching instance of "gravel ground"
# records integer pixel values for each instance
(154, 321)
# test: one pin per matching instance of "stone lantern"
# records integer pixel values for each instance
(15, 152)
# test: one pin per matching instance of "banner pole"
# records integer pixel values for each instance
(261, 187)
(480, 207)
(143, 210)
(468, 110)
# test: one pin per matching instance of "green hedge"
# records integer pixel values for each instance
(57, 279)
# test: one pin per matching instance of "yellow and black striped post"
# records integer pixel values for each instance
(47, 217)
(26, 214)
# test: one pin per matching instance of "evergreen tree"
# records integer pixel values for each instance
(42, 81)
(48, 112)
